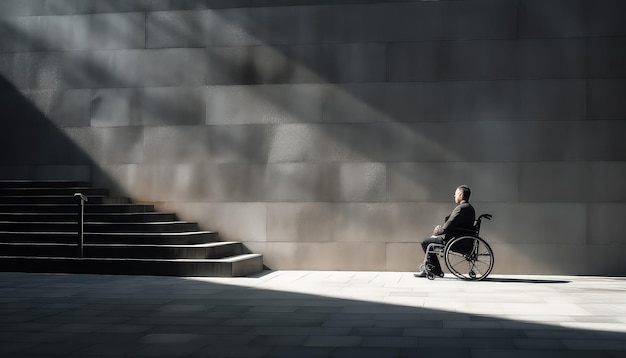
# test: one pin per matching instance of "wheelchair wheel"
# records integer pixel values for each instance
(469, 258)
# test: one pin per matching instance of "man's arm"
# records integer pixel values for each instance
(450, 222)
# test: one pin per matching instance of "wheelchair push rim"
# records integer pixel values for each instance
(469, 258)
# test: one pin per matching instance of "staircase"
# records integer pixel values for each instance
(39, 232)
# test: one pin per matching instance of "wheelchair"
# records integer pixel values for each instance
(467, 257)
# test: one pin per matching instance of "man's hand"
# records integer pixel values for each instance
(436, 230)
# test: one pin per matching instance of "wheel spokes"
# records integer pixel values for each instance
(461, 267)
(469, 258)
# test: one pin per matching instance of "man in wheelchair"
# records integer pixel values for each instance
(459, 222)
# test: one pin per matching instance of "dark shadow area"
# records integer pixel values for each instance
(84, 315)
(227, 4)
(28, 138)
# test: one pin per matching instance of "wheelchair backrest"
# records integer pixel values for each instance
(478, 222)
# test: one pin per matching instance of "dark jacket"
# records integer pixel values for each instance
(462, 217)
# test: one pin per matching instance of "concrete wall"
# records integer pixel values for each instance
(332, 134)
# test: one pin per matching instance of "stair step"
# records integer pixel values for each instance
(211, 250)
(239, 265)
(171, 238)
(43, 183)
(172, 226)
(53, 191)
(89, 217)
(72, 208)
(61, 199)
(39, 233)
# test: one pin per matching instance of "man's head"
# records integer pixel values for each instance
(462, 193)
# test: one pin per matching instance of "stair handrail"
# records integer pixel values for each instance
(82, 198)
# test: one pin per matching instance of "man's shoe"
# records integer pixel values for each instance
(438, 274)
(420, 274)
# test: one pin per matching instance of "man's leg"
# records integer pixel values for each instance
(432, 257)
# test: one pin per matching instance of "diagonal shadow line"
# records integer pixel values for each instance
(280, 297)
(360, 145)
(252, 77)
(29, 138)
(275, 299)
(75, 70)
(97, 72)
(366, 143)
(254, 317)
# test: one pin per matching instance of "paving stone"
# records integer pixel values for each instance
(333, 341)
(10, 348)
(365, 352)
(493, 353)
(440, 352)
(390, 342)
(111, 349)
(302, 314)
(539, 344)
(428, 332)
(374, 331)
(473, 325)
(350, 323)
(298, 331)
(124, 328)
(467, 343)
(495, 333)
(425, 323)
(595, 344)
(300, 352)
(279, 341)
(248, 351)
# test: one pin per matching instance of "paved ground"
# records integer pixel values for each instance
(311, 314)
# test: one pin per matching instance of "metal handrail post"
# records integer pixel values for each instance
(81, 221)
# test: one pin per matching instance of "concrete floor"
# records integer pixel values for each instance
(311, 314)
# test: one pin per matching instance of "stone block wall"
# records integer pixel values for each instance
(332, 134)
